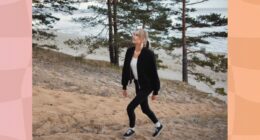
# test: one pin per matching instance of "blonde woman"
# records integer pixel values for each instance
(140, 65)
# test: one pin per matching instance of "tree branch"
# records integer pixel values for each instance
(196, 2)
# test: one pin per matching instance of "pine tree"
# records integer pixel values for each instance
(43, 19)
(127, 16)
(217, 63)
(150, 14)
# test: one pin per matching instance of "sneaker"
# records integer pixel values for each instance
(130, 132)
(158, 130)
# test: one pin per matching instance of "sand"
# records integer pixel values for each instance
(82, 100)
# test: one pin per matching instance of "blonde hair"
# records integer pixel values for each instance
(144, 35)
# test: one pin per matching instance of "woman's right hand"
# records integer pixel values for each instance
(124, 93)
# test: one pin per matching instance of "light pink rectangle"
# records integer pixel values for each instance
(16, 70)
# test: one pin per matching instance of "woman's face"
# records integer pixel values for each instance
(136, 38)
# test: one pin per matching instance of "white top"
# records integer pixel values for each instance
(134, 67)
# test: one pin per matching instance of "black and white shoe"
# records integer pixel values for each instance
(130, 132)
(158, 130)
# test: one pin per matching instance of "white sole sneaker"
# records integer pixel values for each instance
(127, 137)
(159, 132)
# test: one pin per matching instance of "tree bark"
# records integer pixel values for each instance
(110, 26)
(184, 47)
(116, 57)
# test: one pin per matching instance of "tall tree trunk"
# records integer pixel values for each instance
(115, 33)
(147, 11)
(184, 47)
(110, 25)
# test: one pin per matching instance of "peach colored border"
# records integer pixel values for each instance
(15, 70)
(244, 70)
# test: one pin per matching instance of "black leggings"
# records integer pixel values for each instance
(142, 99)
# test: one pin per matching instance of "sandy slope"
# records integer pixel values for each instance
(172, 61)
(81, 100)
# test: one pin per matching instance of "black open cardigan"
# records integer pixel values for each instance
(146, 69)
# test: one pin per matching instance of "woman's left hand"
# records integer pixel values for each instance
(154, 97)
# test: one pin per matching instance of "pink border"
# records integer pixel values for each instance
(16, 70)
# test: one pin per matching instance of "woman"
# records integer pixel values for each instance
(140, 65)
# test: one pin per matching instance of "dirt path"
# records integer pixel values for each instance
(74, 99)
